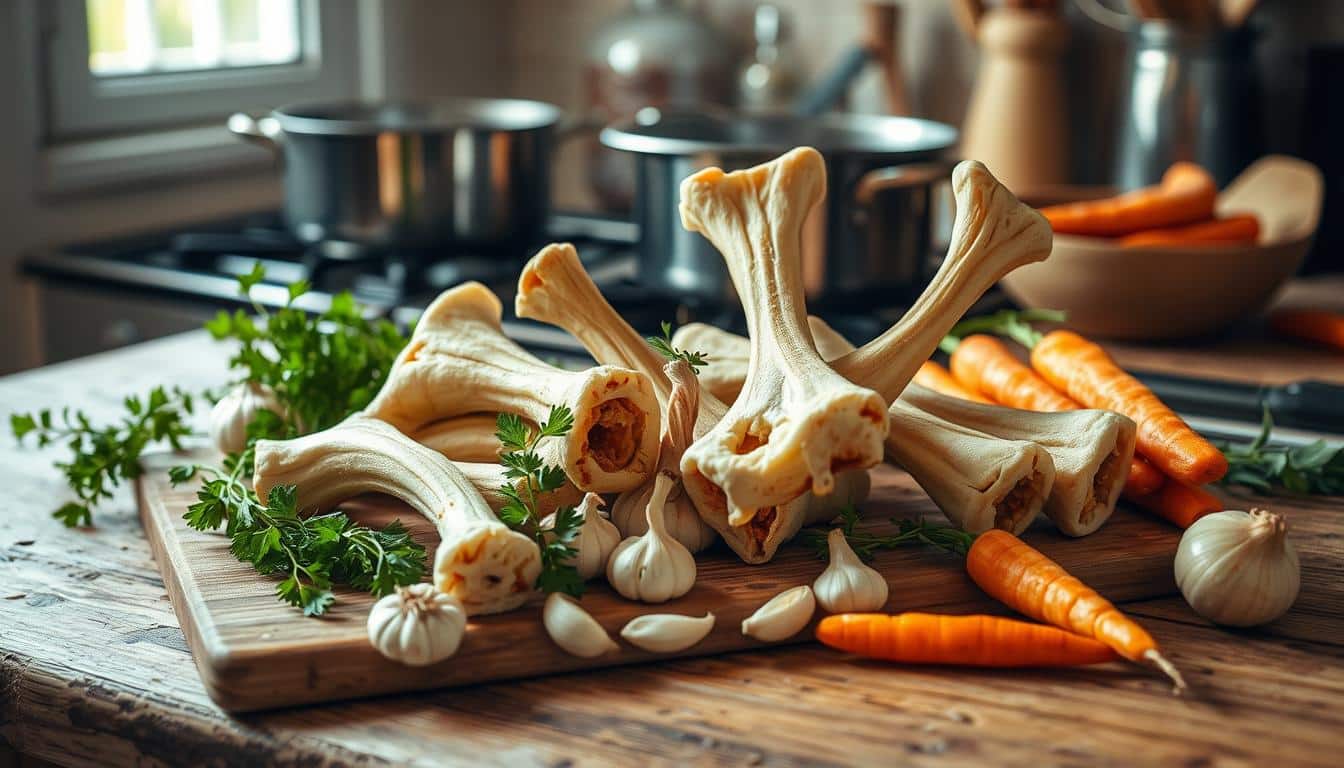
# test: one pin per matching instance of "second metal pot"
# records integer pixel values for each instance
(869, 241)
(468, 172)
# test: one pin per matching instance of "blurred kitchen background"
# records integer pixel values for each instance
(104, 141)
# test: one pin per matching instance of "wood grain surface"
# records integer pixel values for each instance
(95, 669)
(254, 652)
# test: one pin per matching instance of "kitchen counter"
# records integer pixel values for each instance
(94, 670)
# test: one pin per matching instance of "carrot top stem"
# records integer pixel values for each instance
(1011, 323)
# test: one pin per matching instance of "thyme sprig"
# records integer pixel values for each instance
(866, 544)
(663, 344)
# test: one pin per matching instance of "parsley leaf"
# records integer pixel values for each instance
(521, 462)
(1314, 468)
(663, 344)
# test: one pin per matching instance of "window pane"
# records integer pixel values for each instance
(140, 36)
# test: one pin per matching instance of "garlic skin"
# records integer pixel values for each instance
(782, 616)
(596, 540)
(847, 585)
(235, 410)
(417, 625)
(574, 629)
(655, 567)
(1238, 568)
(667, 632)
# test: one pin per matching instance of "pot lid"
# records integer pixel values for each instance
(363, 118)
(661, 132)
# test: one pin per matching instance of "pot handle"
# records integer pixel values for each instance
(900, 177)
(262, 131)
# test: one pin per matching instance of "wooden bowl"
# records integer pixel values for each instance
(1163, 292)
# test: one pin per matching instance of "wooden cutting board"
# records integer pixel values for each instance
(254, 652)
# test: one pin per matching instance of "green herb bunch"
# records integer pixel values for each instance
(865, 544)
(321, 368)
(1314, 468)
(522, 463)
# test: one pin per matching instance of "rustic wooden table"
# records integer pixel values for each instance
(94, 670)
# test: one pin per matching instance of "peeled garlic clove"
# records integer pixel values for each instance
(667, 632)
(847, 585)
(574, 629)
(782, 616)
(655, 567)
(596, 540)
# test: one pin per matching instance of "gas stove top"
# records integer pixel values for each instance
(192, 271)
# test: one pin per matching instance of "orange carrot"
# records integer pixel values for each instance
(1185, 195)
(1177, 503)
(985, 364)
(1240, 229)
(939, 379)
(1315, 325)
(1014, 573)
(1143, 478)
(1085, 372)
(976, 641)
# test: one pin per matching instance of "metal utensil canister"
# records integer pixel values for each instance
(867, 242)
(1192, 95)
(469, 172)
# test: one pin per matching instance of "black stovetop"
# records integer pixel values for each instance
(199, 263)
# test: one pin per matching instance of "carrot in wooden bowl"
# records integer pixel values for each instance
(1085, 372)
(1239, 229)
(985, 364)
(1185, 195)
(977, 641)
(1315, 325)
(1017, 575)
(939, 379)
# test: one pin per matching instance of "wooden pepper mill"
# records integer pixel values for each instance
(1017, 122)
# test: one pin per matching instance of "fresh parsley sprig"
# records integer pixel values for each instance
(104, 456)
(521, 462)
(866, 544)
(1314, 468)
(663, 344)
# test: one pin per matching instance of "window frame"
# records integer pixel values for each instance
(80, 104)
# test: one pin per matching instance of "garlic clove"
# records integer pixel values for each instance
(1238, 568)
(782, 616)
(235, 410)
(417, 625)
(655, 567)
(596, 540)
(848, 585)
(667, 632)
(574, 629)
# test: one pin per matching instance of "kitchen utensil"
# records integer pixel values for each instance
(881, 23)
(843, 259)
(1192, 95)
(469, 172)
(1017, 120)
(254, 652)
(1169, 292)
(1314, 405)
(656, 53)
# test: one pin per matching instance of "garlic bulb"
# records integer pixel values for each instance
(654, 567)
(596, 540)
(574, 629)
(679, 514)
(667, 632)
(417, 625)
(231, 415)
(847, 584)
(1238, 568)
(782, 616)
